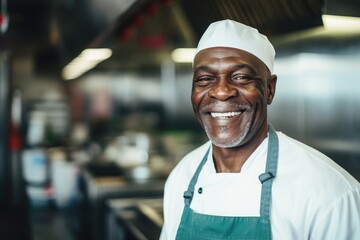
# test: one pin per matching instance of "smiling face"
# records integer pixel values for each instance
(230, 93)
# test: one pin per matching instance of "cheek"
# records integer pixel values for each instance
(196, 98)
(253, 95)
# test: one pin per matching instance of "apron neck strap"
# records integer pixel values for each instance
(188, 194)
(270, 172)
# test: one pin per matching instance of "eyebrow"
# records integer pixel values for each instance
(245, 66)
(202, 68)
(235, 67)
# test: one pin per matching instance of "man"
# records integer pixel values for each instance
(248, 181)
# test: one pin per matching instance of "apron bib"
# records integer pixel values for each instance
(201, 226)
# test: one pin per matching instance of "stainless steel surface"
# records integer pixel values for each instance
(317, 99)
(135, 219)
(101, 188)
(153, 210)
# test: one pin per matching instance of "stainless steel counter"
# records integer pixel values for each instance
(101, 187)
(134, 219)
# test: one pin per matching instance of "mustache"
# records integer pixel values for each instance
(217, 106)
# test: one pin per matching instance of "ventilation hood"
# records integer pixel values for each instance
(143, 32)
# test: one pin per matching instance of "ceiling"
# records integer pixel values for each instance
(142, 32)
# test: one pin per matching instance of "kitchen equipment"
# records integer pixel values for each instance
(134, 219)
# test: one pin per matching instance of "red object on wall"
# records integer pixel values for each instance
(15, 138)
(152, 9)
(153, 41)
(167, 2)
(2, 19)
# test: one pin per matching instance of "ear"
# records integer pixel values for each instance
(271, 85)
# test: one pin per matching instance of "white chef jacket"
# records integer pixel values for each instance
(312, 197)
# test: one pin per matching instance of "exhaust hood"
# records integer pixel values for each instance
(145, 32)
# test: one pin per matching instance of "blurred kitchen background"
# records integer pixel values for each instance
(95, 103)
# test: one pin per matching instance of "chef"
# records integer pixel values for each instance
(251, 181)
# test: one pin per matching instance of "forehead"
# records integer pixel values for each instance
(225, 55)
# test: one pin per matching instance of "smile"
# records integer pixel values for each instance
(225, 114)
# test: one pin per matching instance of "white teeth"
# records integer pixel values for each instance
(227, 114)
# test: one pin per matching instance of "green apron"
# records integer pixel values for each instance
(201, 226)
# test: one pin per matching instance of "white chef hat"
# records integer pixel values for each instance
(229, 33)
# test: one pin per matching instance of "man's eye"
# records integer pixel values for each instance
(203, 80)
(242, 78)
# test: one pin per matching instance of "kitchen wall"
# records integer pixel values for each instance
(317, 98)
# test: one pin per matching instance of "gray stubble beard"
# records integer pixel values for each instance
(234, 143)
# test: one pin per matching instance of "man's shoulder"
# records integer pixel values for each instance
(312, 168)
(294, 150)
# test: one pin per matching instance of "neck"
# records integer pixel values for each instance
(231, 160)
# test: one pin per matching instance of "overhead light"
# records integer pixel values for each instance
(96, 54)
(86, 60)
(341, 23)
(183, 55)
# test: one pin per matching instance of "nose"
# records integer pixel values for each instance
(223, 90)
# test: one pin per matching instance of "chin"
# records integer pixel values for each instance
(228, 142)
